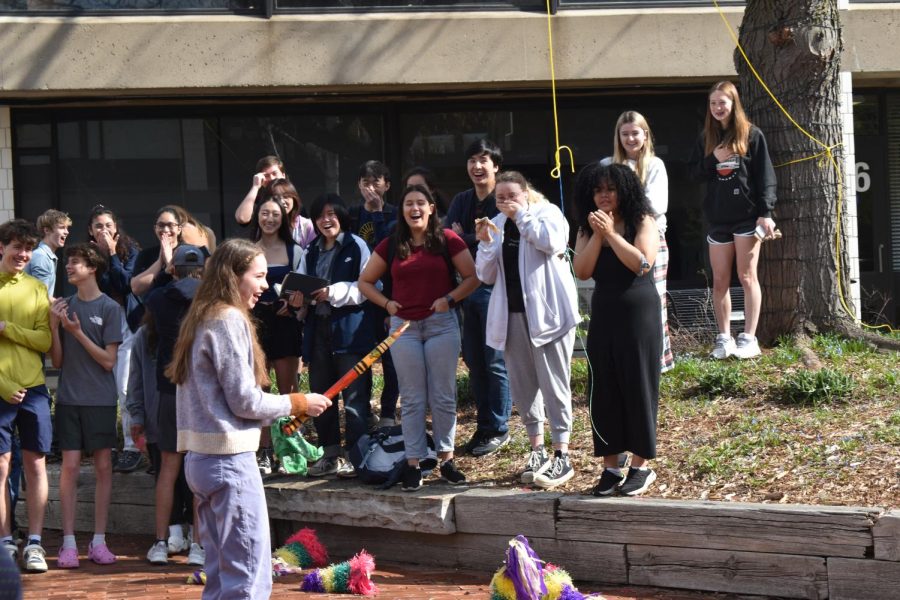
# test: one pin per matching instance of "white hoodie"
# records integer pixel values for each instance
(548, 285)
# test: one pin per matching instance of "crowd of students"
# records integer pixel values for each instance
(178, 339)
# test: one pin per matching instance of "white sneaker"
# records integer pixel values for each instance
(158, 553)
(197, 555)
(747, 346)
(177, 544)
(35, 558)
(724, 347)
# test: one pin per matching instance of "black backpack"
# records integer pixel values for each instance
(379, 457)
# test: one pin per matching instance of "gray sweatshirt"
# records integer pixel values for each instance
(220, 406)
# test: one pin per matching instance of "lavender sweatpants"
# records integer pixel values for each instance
(234, 525)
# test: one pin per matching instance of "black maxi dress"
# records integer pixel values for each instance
(624, 345)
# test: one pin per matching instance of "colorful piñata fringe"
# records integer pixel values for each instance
(526, 577)
(197, 578)
(303, 550)
(349, 577)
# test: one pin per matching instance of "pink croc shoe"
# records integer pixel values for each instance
(68, 558)
(100, 554)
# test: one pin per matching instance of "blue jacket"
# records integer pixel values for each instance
(348, 335)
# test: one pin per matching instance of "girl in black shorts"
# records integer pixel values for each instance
(732, 158)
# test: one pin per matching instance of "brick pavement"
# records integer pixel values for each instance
(132, 578)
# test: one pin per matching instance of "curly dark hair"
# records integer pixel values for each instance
(434, 232)
(633, 203)
(90, 255)
(124, 242)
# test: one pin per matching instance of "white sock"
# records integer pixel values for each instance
(34, 538)
(176, 531)
(69, 541)
(643, 468)
(99, 538)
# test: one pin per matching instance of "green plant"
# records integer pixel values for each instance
(719, 379)
(581, 374)
(463, 389)
(815, 387)
(833, 346)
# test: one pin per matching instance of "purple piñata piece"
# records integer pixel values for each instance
(523, 567)
(312, 583)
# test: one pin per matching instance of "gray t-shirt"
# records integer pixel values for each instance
(82, 381)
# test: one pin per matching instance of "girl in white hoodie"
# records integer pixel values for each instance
(532, 317)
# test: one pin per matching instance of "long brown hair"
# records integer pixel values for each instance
(434, 231)
(632, 117)
(736, 134)
(219, 290)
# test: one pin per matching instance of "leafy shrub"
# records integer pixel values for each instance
(581, 376)
(719, 379)
(463, 389)
(834, 346)
(816, 387)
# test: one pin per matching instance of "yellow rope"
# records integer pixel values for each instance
(556, 171)
(825, 154)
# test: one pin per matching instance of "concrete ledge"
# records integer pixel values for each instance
(343, 502)
(779, 575)
(804, 530)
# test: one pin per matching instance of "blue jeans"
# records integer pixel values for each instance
(427, 355)
(234, 525)
(487, 371)
(325, 368)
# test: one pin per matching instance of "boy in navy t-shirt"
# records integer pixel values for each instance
(86, 331)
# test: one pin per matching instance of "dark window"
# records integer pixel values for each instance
(321, 153)
(414, 5)
(136, 159)
(108, 6)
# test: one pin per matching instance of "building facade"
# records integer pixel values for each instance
(136, 104)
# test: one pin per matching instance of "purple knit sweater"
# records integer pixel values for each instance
(220, 407)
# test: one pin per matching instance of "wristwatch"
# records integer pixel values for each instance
(451, 302)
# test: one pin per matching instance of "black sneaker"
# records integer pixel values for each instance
(476, 440)
(450, 474)
(412, 479)
(637, 481)
(264, 461)
(490, 444)
(608, 483)
(560, 471)
(129, 461)
(538, 462)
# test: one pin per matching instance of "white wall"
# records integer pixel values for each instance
(6, 174)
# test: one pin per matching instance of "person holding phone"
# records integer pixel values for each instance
(278, 328)
(732, 157)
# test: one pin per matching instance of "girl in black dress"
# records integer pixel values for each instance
(617, 244)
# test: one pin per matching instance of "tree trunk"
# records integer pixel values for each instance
(795, 46)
